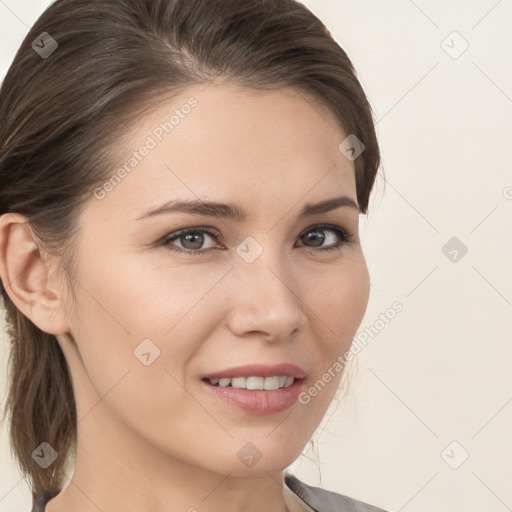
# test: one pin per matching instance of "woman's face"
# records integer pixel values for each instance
(158, 311)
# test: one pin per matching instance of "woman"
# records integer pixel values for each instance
(180, 190)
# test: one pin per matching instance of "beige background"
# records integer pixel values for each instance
(439, 372)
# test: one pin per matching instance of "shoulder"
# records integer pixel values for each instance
(323, 500)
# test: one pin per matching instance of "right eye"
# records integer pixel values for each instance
(194, 237)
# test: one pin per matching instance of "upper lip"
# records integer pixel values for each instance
(259, 370)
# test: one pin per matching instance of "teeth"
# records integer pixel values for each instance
(238, 382)
(270, 383)
(254, 382)
(266, 383)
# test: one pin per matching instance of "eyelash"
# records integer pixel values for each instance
(167, 241)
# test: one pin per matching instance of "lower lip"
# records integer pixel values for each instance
(258, 401)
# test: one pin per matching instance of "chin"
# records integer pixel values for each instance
(258, 457)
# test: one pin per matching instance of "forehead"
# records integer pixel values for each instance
(220, 142)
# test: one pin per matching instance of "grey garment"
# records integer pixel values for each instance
(323, 500)
(317, 498)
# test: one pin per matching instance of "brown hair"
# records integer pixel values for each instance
(63, 113)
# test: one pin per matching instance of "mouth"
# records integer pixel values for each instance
(256, 388)
(254, 395)
(254, 382)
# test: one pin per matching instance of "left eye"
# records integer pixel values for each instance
(192, 239)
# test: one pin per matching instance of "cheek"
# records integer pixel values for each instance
(129, 309)
(339, 300)
(137, 297)
(164, 295)
(112, 346)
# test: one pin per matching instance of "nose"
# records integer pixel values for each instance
(266, 300)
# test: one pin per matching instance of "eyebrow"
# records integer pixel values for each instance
(236, 212)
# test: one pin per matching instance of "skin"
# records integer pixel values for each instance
(149, 437)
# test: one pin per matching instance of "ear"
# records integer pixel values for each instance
(25, 276)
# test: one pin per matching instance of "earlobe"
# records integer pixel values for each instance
(25, 275)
